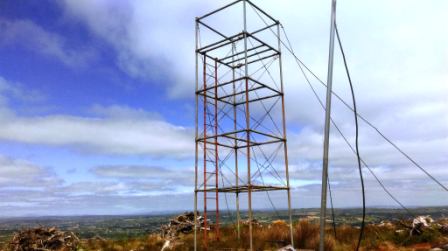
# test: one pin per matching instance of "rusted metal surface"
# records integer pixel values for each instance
(205, 234)
(242, 116)
(216, 152)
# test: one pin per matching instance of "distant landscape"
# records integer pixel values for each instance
(128, 227)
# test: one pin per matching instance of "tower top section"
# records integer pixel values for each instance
(229, 26)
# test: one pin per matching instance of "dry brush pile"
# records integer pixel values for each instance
(44, 239)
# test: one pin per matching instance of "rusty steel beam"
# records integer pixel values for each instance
(216, 152)
(222, 135)
(205, 234)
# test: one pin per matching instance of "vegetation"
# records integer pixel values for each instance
(140, 233)
(272, 237)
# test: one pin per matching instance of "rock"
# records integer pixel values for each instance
(419, 224)
(167, 245)
(444, 229)
(445, 247)
(287, 248)
(425, 220)
(255, 223)
(386, 224)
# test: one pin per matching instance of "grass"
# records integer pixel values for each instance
(276, 235)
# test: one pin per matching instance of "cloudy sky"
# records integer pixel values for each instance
(97, 103)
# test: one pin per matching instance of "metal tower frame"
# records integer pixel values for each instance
(237, 115)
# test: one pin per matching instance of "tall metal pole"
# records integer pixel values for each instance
(196, 141)
(249, 177)
(205, 234)
(237, 194)
(323, 205)
(285, 147)
(216, 152)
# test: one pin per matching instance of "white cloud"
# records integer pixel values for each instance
(43, 42)
(384, 54)
(152, 39)
(153, 180)
(116, 130)
(19, 174)
(101, 134)
(120, 111)
(144, 172)
(17, 92)
(29, 189)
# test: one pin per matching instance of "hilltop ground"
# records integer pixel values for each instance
(385, 231)
(306, 235)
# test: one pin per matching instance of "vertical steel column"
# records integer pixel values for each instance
(196, 137)
(323, 205)
(285, 147)
(237, 194)
(216, 150)
(249, 177)
(205, 154)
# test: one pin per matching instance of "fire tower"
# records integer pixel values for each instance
(241, 150)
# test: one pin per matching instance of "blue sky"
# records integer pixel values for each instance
(97, 102)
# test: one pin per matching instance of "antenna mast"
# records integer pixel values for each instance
(323, 205)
